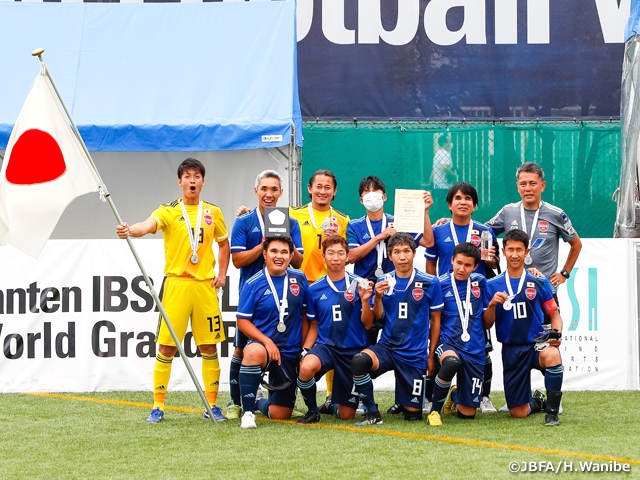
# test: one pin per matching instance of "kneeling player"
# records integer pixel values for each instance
(408, 300)
(461, 348)
(339, 313)
(270, 314)
(519, 301)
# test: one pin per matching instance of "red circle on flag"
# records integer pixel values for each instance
(35, 158)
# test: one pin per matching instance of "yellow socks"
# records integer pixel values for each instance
(211, 376)
(161, 374)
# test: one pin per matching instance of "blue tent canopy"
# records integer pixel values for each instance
(159, 77)
(633, 24)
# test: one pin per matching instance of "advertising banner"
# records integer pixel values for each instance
(81, 319)
(460, 58)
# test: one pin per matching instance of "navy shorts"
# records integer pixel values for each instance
(286, 397)
(289, 366)
(409, 379)
(517, 363)
(468, 379)
(338, 360)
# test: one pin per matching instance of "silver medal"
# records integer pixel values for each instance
(507, 304)
(364, 283)
(379, 272)
(528, 260)
(194, 259)
(281, 327)
(391, 279)
(465, 337)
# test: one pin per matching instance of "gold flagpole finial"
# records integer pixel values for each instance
(38, 52)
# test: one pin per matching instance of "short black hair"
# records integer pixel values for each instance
(401, 238)
(530, 167)
(334, 240)
(371, 181)
(190, 164)
(326, 173)
(269, 240)
(515, 235)
(466, 189)
(468, 250)
(443, 140)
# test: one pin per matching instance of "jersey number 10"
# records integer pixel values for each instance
(519, 310)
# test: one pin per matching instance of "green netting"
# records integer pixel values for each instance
(581, 161)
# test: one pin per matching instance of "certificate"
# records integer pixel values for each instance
(409, 211)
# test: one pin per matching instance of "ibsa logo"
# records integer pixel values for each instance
(580, 345)
(584, 321)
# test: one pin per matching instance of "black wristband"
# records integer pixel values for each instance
(565, 274)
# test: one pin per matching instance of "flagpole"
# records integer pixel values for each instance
(104, 194)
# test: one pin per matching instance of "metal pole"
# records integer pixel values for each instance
(295, 182)
(105, 195)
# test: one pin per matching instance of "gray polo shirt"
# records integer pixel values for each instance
(553, 223)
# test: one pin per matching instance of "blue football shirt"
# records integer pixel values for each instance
(339, 314)
(258, 305)
(358, 234)
(451, 323)
(442, 251)
(522, 323)
(247, 234)
(407, 313)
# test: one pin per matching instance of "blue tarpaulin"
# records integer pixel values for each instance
(633, 24)
(159, 77)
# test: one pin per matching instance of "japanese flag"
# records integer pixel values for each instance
(44, 169)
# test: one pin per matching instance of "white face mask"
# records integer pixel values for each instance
(373, 201)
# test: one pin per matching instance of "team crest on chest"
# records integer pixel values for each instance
(295, 289)
(208, 219)
(530, 293)
(544, 226)
(476, 291)
(475, 240)
(349, 296)
(417, 294)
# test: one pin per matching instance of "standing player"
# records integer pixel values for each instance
(367, 235)
(189, 227)
(462, 199)
(339, 313)
(319, 220)
(247, 236)
(461, 348)
(544, 223)
(519, 302)
(409, 300)
(270, 313)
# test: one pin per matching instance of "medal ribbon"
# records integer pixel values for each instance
(313, 220)
(534, 224)
(193, 234)
(260, 220)
(508, 282)
(382, 252)
(350, 287)
(282, 307)
(463, 310)
(455, 236)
